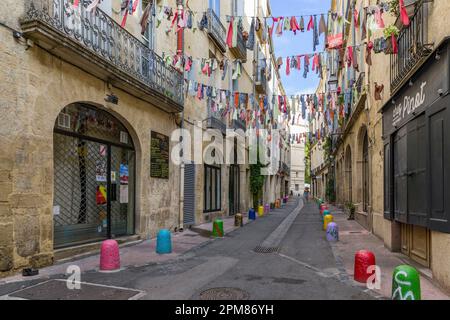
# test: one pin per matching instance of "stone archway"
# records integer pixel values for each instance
(363, 169)
(348, 175)
(94, 176)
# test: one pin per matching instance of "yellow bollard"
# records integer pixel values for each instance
(260, 211)
(326, 220)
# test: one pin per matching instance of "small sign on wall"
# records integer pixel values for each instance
(159, 155)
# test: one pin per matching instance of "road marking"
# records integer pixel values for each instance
(275, 238)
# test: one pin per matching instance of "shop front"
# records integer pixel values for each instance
(94, 177)
(416, 133)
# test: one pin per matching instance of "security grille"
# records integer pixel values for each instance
(90, 149)
(78, 217)
(189, 195)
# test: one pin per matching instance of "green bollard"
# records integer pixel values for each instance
(405, 283)
(218, 228)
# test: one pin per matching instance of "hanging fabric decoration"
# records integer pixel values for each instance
(251, 37)
(310, 23)
(316, 41)
(369, 49)
(394, 44)
(230, 33)
(279, 31)
(287, 24)
(306, 66)
(403, 13)
(76, 3)
(302, 24)
(288, 66)
(322, 25)
(294, 25)
(274, 20)
(146, 17)
(93, 6)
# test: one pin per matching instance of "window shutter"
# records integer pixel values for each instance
(417, 196)
(439, 166)
(400, 176)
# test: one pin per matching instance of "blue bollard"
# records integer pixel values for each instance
(252, 214)
(164, 242)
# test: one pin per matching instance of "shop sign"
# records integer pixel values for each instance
(409, 104)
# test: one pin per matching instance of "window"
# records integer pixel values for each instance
(215, 6)
(148, 36)
(297, 187)
(212, 189)
(238, 7)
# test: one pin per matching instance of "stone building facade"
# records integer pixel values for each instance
(88, 110)
(368, 166)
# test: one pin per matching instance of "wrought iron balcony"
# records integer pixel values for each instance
(413, 48)
(216, 120)
(240, 51)
(216, 30)
(97, 44)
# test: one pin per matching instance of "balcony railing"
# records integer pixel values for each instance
(96, 43)
(240, 51)
(413, 47)
(216, 30)
(216, 120)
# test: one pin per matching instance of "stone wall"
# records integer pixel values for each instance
(35, 87)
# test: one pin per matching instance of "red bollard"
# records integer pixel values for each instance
(363, 260)
(109, 256)
(323, 207)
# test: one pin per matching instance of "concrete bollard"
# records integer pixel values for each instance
(363, 260)
(238, 220)
(260, 211)
(319, 202)
(164, 242)
(327, 220)
(406, 283)
(252, 214)
(109, 256)
(333, 232)
(323, 207)
(267, 209)
(218, 228)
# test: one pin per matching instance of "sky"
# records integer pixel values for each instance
(291, 45)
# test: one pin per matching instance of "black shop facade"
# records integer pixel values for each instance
(416, 135)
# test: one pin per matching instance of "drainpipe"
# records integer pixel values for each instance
(180, 51)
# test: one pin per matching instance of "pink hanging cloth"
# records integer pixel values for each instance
(288, 66)
(403, 14)
(230, 33)
(379, 19)
(310, 24)
(394, 44)
(76, 3)
(299, 62)
(350, 56)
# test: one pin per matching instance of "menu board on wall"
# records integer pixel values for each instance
(159, 155)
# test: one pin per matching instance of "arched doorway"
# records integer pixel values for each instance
(348, 174)
(365, 173)
(94, 177)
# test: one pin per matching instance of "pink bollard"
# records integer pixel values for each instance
(109, 256)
